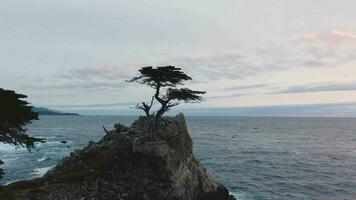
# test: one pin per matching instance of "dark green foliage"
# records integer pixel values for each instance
(165, 80)
(185, 94)
(142, 124)
(15, 113)
(118, 128)
(164, 76)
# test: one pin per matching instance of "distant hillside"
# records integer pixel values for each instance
(46, 111)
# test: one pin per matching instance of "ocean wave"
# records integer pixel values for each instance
(239, 196)
(10, 148)
(53, 136)
(42, 159)
(10, 159)
(353, 152)
(39, 172)
(13, 181)
(58, 142)
(297, 153)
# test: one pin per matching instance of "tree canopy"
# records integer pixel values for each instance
(15, 114)
(161, 76)
(165, 80)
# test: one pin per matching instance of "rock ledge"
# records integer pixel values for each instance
(124, 166)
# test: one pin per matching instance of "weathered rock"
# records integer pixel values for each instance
(123, 166)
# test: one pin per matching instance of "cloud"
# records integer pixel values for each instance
(351, 86)
(97, 73)
(226, 66)
(338, 36)
(334, 36)
(245, 90)
(234, 65)
(214, 67)
(91, 78)
(309, 36)
(245, 87)
(308, 88)
(320, 52)
(332, 48)
(267, 58)
(89, 85)
(227, 96)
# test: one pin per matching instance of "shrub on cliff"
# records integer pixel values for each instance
(118, 127)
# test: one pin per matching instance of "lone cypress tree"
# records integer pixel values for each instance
(165, 80)
(15, 113)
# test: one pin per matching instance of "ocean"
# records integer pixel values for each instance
(257, 158)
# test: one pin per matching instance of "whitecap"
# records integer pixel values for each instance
(49, 137)
(39, 172)
(10, 148)
(353, 152)
(238, 196)
(10, 159)
(58, 142)
(42, 159)
(13, 181)
(52, 142)
(297, 152)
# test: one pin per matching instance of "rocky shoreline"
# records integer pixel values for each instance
(126, 165)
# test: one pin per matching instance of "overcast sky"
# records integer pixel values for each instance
(76, 54)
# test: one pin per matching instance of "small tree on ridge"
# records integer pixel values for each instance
(164, 80)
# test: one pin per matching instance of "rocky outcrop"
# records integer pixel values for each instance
(126, 165)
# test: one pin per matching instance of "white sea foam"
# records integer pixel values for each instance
(10, 159)
(353, 152)
(42, 159)
(10, 148)
(296, 152)
(39, 172)
(236, 195)
(7, 183)
(58, 143)
(239, 195)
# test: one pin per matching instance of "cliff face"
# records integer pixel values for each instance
(127, 166)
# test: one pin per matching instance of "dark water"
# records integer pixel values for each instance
(256, 158)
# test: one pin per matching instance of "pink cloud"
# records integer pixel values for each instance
(329, 37)
(338, 36)
(310, 36)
